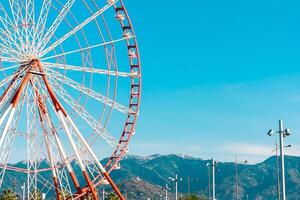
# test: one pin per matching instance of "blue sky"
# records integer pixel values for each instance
(216, 76)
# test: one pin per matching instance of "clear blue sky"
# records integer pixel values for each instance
(216, 75)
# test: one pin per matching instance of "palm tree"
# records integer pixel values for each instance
(8, 195)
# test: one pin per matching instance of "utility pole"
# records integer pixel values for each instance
(189, 185)
(176, 179)
(176, 187)
(282, 133)
(23, 191)
(166, 198)
(213, 180)
(277, 171)
(208, 173)
(236, 180)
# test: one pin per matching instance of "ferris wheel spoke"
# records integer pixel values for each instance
(87, 48)
(16, 11)
(5, 19)
(85, 115)
(17, 18)
(9, 90)
(7, 45)
(10, 78)
(7, 52)
(80, 26)
(6, 80)
(8, 59)
(51, 31)
(29, 21)
(81, 88)
(42, 19)
(89, 70)
(8, 28)
(9, 67)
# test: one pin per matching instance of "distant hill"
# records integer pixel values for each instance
(258, 181)
(141, 177)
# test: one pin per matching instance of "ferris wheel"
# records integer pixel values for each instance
(70, 87)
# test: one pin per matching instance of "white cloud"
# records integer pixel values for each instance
(248, 149)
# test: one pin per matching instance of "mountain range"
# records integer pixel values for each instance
(144, 177)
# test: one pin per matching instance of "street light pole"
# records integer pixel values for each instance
(277, 171)
(176, 179)
(236, 179)
(176, 187)
(189, 186)
(277, 168)
(23, 191)
(281, 135)
(213, 180)
(166, 188)
(208, 176)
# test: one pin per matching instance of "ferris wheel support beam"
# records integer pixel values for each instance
(61, 150)
(82, 166)
(102, 169)
(60, 113)
(5, 114)
(45, 118)
(14, 102)
(42, 112)
(63, 114)
(65, 159)
(55, 180)
(8, 123)
(11, 84)
(8, 89)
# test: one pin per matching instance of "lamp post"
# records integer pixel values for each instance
(103, 194)
(282, 133)
(23, 187)
(208, 173)
(43, 196)
(277, 167)
(166, 188)
(213, 170)
(213, 164)
(176, 179)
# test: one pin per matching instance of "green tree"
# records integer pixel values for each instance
(36, 195)
(8, 195)
(112, 196)
(192, 197)
(202, 197)
(64, 194)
